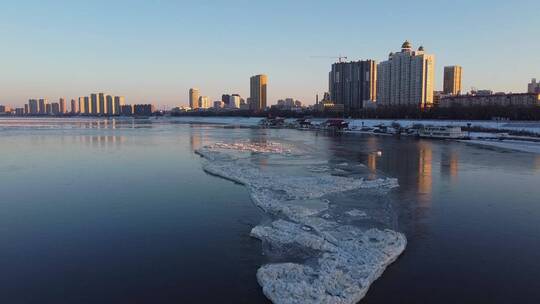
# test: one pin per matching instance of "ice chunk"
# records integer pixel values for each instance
(356, 213)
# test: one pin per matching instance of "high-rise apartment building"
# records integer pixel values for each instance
(43, 106)
(55, 108)
(119, 101)
(452, 80)
(102, 104)
(225, 99)
(87, 105)
(533, 87)
(353, 83)
(234, 101)
(75, 106)
(109, 100)
(62, 105)
(33, 107)
(406, 78)
(194, 98)
(257, 89)
(94, 104)
(204, 102)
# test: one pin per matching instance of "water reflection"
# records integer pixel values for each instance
(425, 173)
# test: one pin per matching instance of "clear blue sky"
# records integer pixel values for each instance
(155, 50)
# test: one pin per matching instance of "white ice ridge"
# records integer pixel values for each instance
(343, 261)
(267, 147)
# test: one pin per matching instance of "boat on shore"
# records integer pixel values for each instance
(442, 132)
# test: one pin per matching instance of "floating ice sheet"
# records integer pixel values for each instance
(343, 260)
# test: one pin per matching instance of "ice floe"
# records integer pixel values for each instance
(339, 261)
(356, 212)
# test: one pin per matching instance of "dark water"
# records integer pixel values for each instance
(122, 213)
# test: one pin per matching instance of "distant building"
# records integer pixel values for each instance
(194, 98)
(288, 104)
(102, 104)
(109, 104)
(534, 87)
(353, 83)
(406, 78)
(55, 108)
(94, 104)
(204, 102)
(26, 109)
(119, 101)
(48, 109)
(62, 105)
(505, 100)
(234, 101)
(2, 109)
(143, 110)
(225, 98)
(33, 107)
(19, 111)
(126, 110)
(452, 80)
(75, 106)
(218, 104)
(258, 92)
(43, 106)
(481, 92)
(88, 105)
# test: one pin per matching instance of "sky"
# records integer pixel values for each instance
(155, 50)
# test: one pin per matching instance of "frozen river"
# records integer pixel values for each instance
(151, 211)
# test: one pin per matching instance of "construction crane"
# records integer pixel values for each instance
(339, 58)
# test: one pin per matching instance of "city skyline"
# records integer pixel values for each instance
(49, 58)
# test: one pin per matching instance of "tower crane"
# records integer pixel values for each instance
(339, 58)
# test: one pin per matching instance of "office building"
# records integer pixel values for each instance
(48, 109)
(452, 80)
(406, 78)
(533, 87)
(352, 84)
(109, 100)
(194, 98)
(26, 109)
(257, 89)
(119, 101)
(19, 111)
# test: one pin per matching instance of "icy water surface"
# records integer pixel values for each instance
(127, 212)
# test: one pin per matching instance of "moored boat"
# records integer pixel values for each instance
(441, 132)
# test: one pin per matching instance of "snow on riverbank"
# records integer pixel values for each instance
(529, 126)
(514, 145)
(343, 260)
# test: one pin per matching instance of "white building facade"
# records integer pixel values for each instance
(407, 78)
